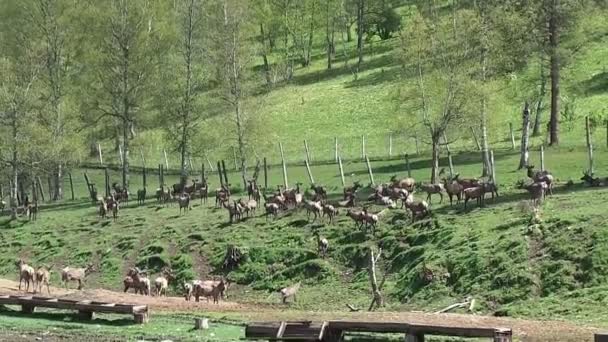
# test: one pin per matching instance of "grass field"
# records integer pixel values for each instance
(483, 250)
(320, 104)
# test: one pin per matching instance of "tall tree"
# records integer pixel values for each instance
(20, 67)
(49, 18)
(442, 67)
(128, 59)
(186, 113)
(232, 58)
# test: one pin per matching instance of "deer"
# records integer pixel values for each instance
(26, 275)
(541, 176)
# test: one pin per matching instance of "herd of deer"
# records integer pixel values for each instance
(42, 276)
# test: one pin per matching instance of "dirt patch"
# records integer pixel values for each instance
(525, 330)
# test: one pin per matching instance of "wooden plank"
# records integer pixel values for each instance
(281, 330)
(85, 305)
(601, 337)
(392, 327)
(322, 330)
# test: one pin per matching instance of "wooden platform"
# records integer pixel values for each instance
(332, 331)
(86, 308)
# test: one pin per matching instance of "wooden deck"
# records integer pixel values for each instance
(86, 308)
(332, 331)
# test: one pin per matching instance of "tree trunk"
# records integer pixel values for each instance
(311, 33)
(555, 72)
(58, 182)
(378, 301)
(328, 36)
(265, 56)
(360, 30)
(349, 35)
(485, 156)
(539, 104)
(525, 141)
(125, 156)
(435, 159)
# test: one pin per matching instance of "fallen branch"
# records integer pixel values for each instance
(469, 302)
(352, 308)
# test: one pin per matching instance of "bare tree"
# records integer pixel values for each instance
(442, 76)
(45, 17)
(19, 75)
(129, 55)
(525, 138)
(185, 115)
(232, 59)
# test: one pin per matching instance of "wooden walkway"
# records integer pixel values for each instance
(86, 308)
(332, 331)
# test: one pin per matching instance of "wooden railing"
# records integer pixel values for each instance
(86, 308)
(333, 331)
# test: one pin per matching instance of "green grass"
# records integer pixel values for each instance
(320, 104)
(64, 325)
(486, 251)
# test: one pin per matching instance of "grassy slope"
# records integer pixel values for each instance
(490, 253)
(320, 104)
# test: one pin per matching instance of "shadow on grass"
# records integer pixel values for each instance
(597, 84)
(59, 316)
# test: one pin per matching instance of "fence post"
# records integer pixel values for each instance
(219, 172)
(407, 165)
(166, 160)
(336, 148)
(363, 154)
(265, 174)
(589, 145)
(493, 166)
(369, 170)
(100, 156)
(107, 181)
(341, 171)
(225, 173)
(160, 180)
(307, 150)
(512, 135)
(390, 145)
(71, 184)
(312, 180)
(475, 138)
(284, 166)
(203, 172)
(542, 157)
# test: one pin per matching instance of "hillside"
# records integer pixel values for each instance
(511, 267)
(319, 105)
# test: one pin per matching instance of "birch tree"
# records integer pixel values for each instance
(439, 95)
(20, 67)
(128, 60)
(183, 98)
(232, 56)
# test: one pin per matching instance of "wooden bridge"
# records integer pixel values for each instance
(332, 331)
(86, 308)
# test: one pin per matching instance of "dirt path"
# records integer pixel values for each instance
(525, 330)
